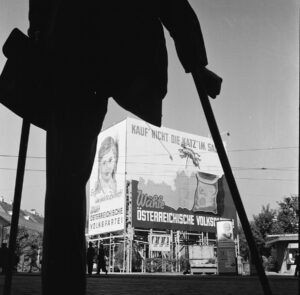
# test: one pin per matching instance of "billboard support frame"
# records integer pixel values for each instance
(178, 245)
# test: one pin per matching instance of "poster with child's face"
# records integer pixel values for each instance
(107, 182)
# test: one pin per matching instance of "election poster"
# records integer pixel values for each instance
(226, 253)
(160, 242)
(106, 189)
(177, 179)
(224, 232)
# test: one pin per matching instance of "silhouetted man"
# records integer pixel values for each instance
(4, 257)
(95, 50)
(101, 260)
(90, 255)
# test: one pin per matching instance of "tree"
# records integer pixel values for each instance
(258, 238)
(261, 226)
(28, 242)
(264, 221)
(284, 220)
(288, 215)
(27, 238)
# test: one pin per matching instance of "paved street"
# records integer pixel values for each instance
(116, 284)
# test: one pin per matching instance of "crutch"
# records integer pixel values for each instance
(16, 205)
(198, 78)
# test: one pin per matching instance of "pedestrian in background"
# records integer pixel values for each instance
(101, 265)
(33, 255)
(90, 258)
(1, 258)
(4, 257)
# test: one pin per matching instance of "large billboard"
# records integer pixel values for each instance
(177, 179)
(107, 182)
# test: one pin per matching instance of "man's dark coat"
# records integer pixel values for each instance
(118, 46)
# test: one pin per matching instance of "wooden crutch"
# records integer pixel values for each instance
(198, 80)
(16, 205)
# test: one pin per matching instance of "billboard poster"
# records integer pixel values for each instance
(160, 242)
(227, 263)
(224, 232)
(106, 193)
(177, 179)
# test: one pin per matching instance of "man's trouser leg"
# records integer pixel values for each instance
(71, 147)
(90, 267)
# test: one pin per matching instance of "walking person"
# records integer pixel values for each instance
(90, 258)
(1, 258)
(101, 265)
(93, 51)
(33, 255)
(4, 257)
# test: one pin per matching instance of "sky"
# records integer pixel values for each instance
(253, 45)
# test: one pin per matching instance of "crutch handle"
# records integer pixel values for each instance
(210, 81)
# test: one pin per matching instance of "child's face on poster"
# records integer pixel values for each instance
(106, 165)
